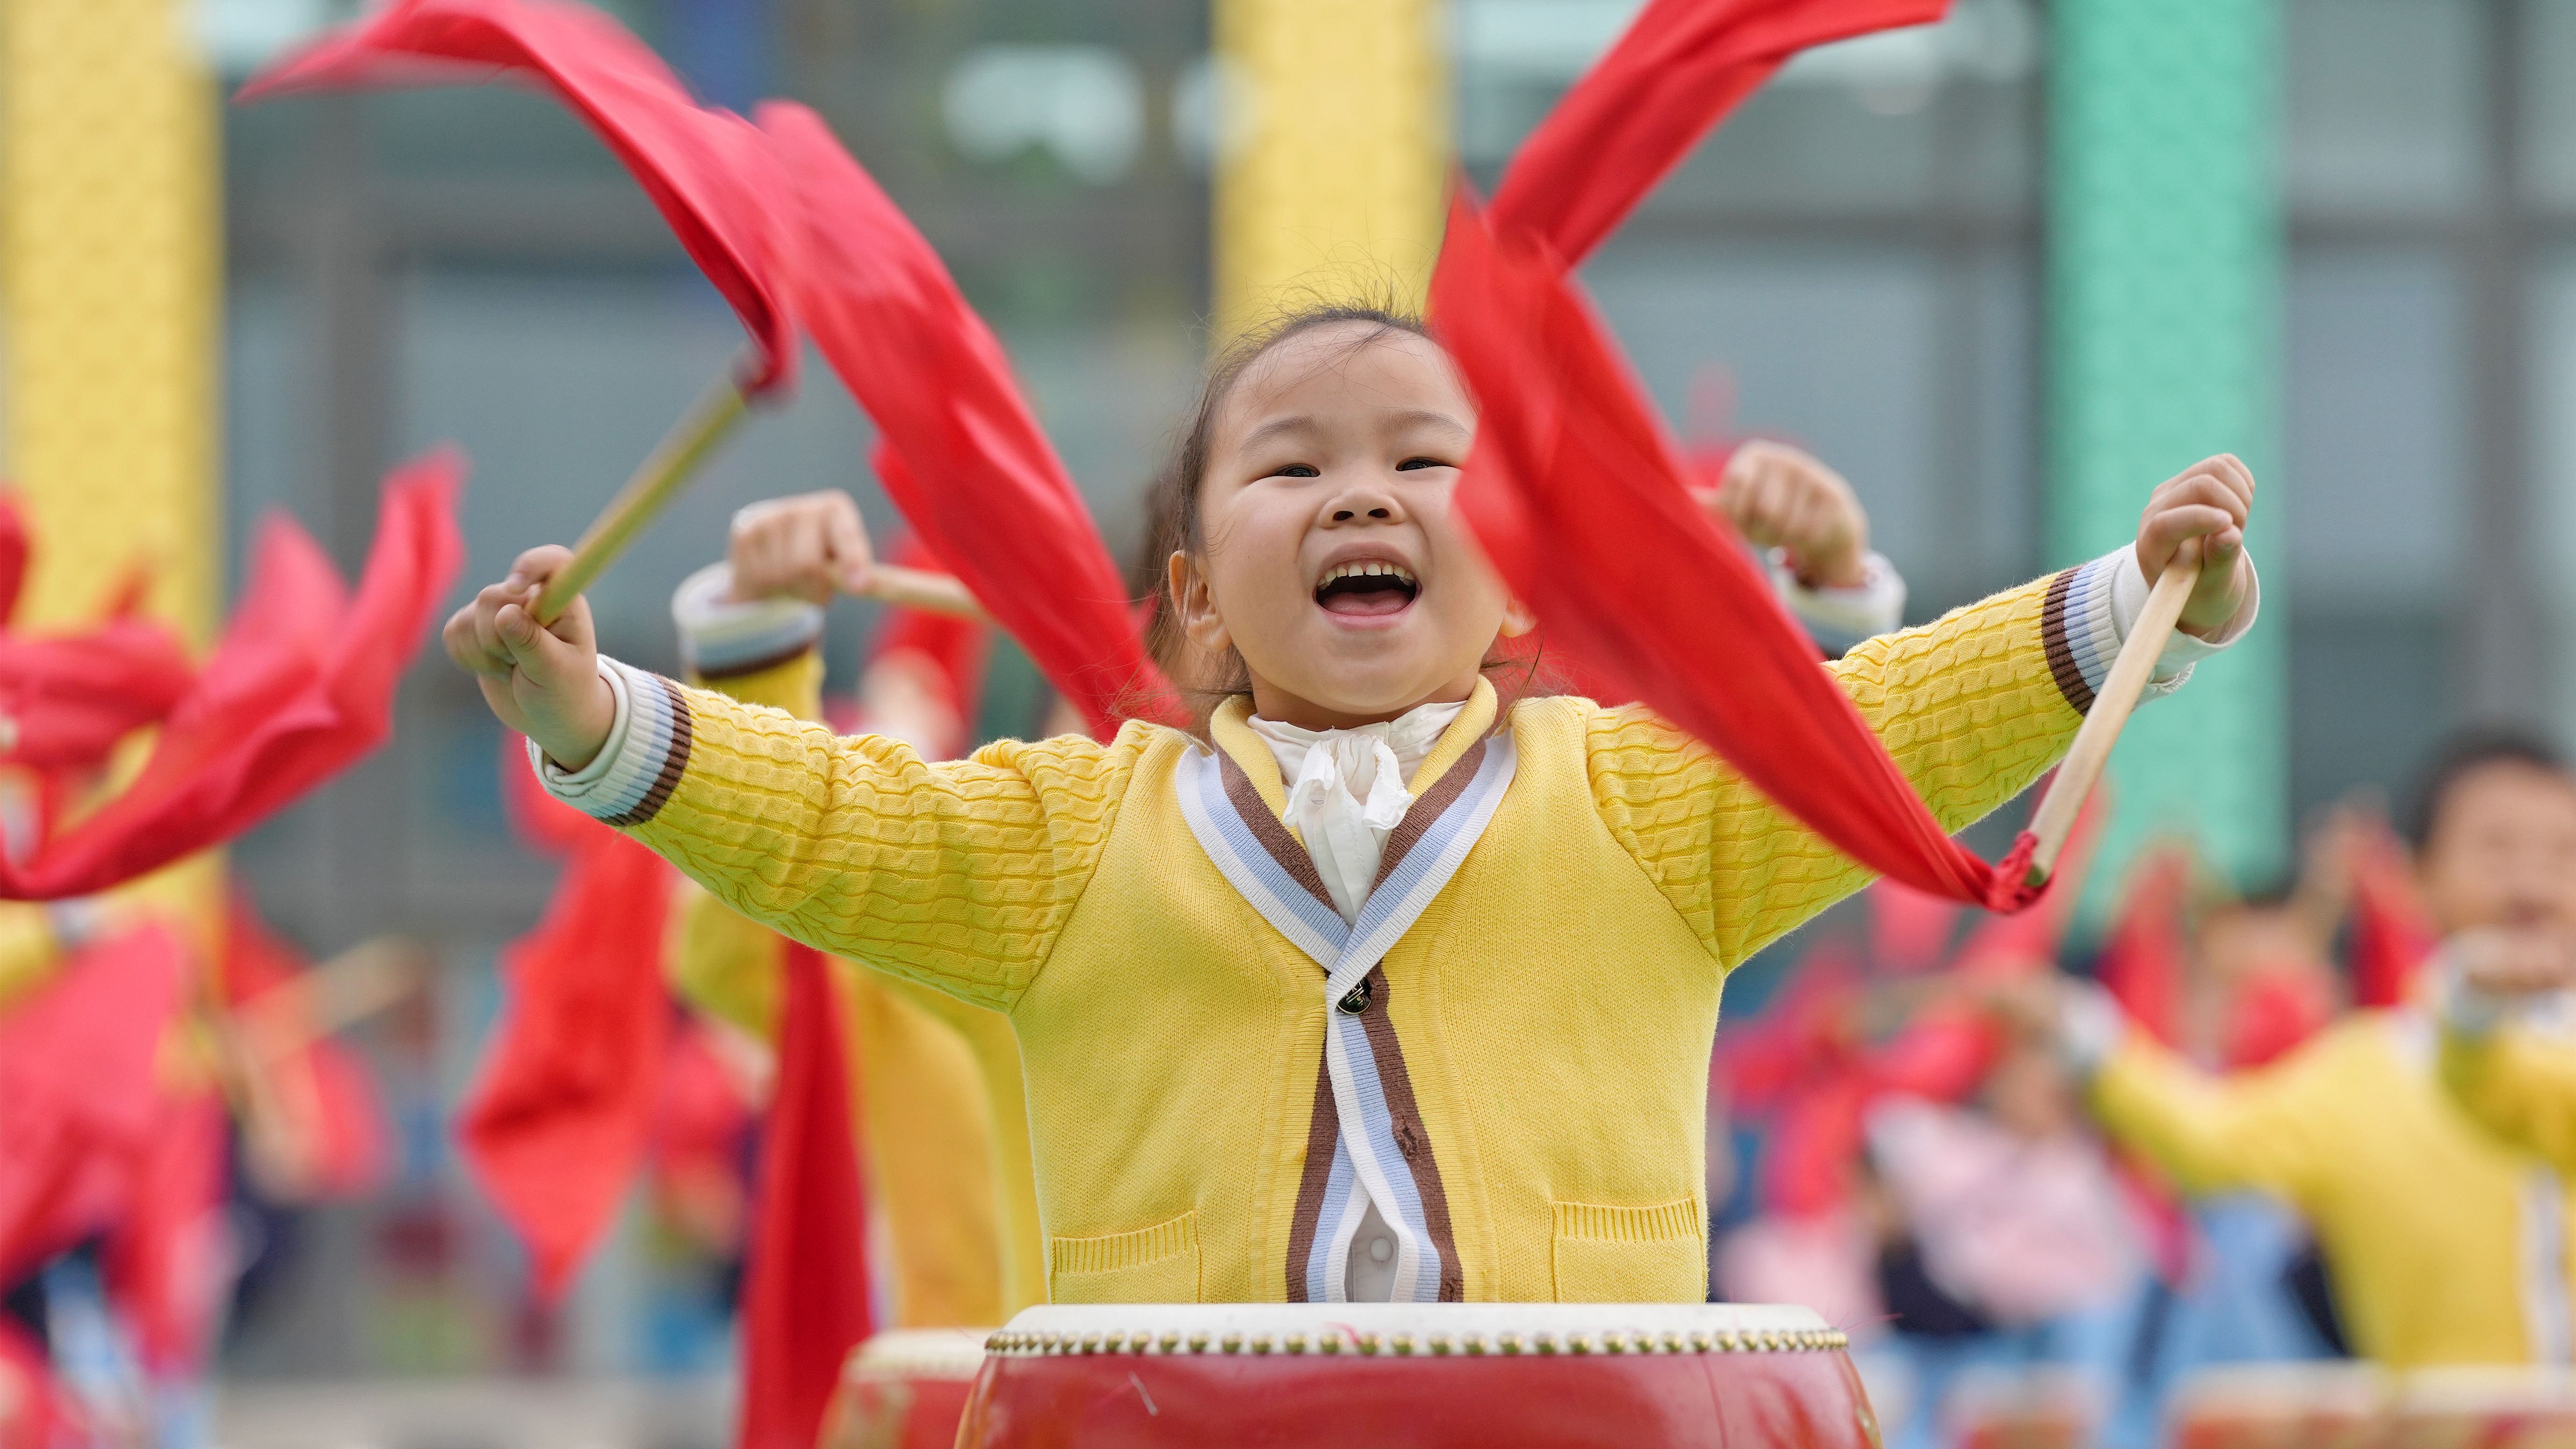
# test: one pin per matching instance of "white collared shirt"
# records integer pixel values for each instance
(1346, 791)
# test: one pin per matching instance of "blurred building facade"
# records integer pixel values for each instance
(1857, 263)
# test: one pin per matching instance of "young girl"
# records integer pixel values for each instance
(1386, 987)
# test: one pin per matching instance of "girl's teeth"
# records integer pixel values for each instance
(1368, 570)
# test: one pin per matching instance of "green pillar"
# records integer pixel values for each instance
(2165, 252)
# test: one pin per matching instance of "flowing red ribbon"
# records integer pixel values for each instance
(300, 686)
(79, 1094)
(2393, 934)
(962, 455)
(707, 171)
(69, 697)
(562, 1109)
(806, 1303)
(1675, 73)
(1572, 482)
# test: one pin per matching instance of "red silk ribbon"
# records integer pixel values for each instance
(300, 686)
(707, 171)
(1573, 481)
(962, 455)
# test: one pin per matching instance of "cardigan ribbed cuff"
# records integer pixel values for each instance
(2091, 609)
(1840, 618)
(646, 749)
(720, 636)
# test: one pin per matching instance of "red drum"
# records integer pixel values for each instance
(2042, 1407)
(2324, 1405)
(903, 1390)
(2483, 1408)
(1490, 1375)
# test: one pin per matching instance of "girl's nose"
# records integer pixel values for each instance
(1363, 503)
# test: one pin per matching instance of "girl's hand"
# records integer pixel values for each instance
(542, 682)
(2206, 507)
(811, 546)
(2513, 963)
(1781, 497)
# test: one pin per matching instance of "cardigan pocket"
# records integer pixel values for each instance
(1159, 1264)
(1653, 1254)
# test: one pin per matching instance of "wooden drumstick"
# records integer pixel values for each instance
(667, 470)
(2055, 818)
(659, 480)
(921, 589)
(348, 988)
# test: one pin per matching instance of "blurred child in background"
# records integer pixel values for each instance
(2443, 1244)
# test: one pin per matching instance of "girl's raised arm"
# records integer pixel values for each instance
(957, 875)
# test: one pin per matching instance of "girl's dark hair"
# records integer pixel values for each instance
(1174, 524)
(2466, 753)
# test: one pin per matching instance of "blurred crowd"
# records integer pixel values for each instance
(2051, 1191)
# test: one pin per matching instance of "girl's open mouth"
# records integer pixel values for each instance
(1367, 588)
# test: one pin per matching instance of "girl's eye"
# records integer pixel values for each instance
(1410, 464)
(1298, 470)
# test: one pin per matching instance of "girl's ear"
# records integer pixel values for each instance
(1195, 603)
(1517, 619)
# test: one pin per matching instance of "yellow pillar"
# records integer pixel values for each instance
(1335, 157)
(109, 239)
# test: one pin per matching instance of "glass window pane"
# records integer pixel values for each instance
(2383, 105)
(2376, 401)
(2548, 141)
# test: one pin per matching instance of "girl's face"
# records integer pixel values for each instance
(1330, 557)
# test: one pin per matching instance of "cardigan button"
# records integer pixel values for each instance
(1356, 1000)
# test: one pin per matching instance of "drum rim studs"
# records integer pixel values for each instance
(1406, 1343)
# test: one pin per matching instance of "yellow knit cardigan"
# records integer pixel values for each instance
(942, 1114)
(2518, 1085)
(2433, 1231)
(1555, 1003)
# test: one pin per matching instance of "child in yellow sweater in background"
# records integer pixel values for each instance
(942, 1116)
(1386, 987)
(2507, 990)
(2446, 1241)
